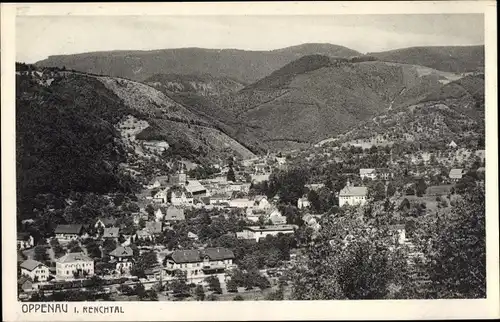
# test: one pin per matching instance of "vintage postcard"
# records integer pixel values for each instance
(247, 161)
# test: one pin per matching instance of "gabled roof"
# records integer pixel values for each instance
(23, 236)
(107, 221)
(121, 251)
(193, 256)
(30, 264)
(439, 190)
(74, 257)
(259, 198)
(153, 227)
(111, 232)
(353, 191)
(195, 186)
(456, 172)
(69, 229)
(174, 213)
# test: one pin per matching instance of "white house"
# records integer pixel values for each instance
(276, 217)
(38, 272)
(161, 196)
(456, 174)
(261, 202)
(351, 195)
(303, 203)
(452, 144)
(368, 173)
(258, 232)
(25, 240)
(74, 265)
(123, 257)
(181, 198)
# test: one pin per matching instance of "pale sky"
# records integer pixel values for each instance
(37, 37)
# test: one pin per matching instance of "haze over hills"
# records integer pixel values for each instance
(242, 65)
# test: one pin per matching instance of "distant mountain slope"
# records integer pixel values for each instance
(454, 111)
(316, 97)
(457, 59)
(241, 65)
(204, 85)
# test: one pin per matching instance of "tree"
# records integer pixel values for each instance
(349, 259)
(199, 293)
(421, 187)
(232, 286)
(238, 298)
(391, 189)
(456, 249)
(377, 191)
(140, 290)
(40, 253)
(230, 175)
(93, 250)
(56, 248)
(108, 246)
(313, 198)
(275, 296)
(214, 284)
(74, 247)
(179, 284)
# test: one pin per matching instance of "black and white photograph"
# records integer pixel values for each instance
(190, 158)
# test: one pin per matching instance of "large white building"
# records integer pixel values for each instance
(37, 271)
(74, 265)
(351, 195)
(199, 263)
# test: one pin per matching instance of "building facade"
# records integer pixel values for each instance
(199, 263)
(38, 272)
(73, 266)
(353, 196)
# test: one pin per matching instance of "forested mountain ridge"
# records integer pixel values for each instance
(242, 65)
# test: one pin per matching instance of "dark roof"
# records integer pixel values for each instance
(108, 221)
(121, 251)
(30, 264)
(111, 232)
(23, 236)
(439, 190)
(193, 256)
(69, 229)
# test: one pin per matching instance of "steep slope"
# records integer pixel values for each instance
(174, 123)
(454, 111)
(203, 85)
(241, 65)
(456, 59)
(65, 139)
(316, 97)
